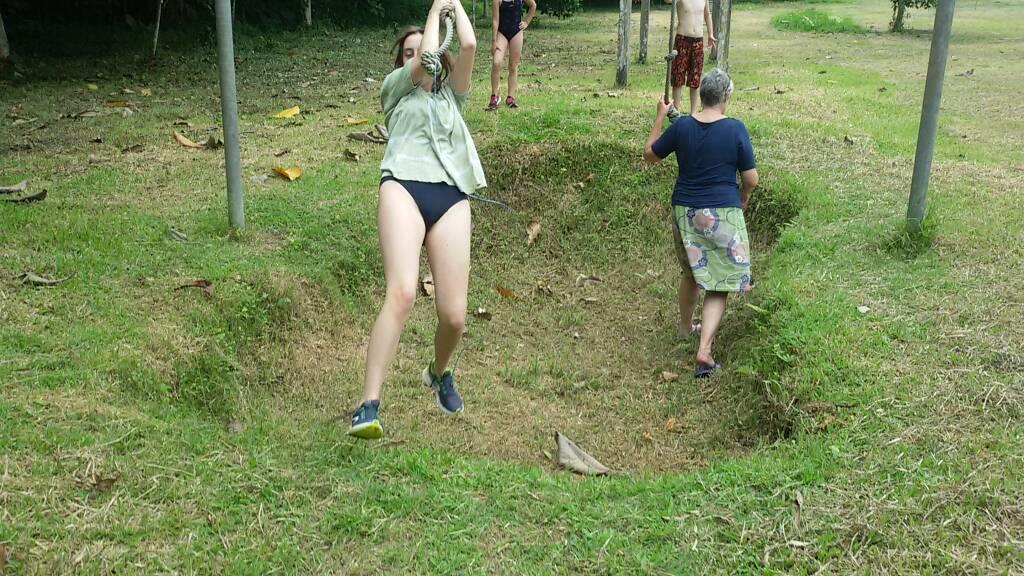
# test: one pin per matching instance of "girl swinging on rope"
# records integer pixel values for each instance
(430, 169)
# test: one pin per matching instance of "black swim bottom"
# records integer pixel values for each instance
(434, 199)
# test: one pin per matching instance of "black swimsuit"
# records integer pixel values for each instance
(510, 14)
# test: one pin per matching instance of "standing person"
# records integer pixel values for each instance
(508, 27)
(430, 168)
(688, 64)
(707, 205)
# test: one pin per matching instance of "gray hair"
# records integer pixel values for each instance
(715, 87)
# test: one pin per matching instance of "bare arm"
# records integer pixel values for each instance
(652, 136)
(463, 71)
(748, 181)
(709, 22)
(430, 41)
(529, 15)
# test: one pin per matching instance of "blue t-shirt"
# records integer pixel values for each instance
(709, 155)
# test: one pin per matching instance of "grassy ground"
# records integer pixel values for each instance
(885, 441)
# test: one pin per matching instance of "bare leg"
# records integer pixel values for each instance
(693, 100)
(688, 291)
(515, 53)
(676, 92)
(714, 309)
(448, 251)
(497, 59)
(401, 231)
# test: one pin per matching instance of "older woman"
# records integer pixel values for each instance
(707, 206)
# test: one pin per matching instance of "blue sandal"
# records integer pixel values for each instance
(706, 370)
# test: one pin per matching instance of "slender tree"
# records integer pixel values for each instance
(5, 48)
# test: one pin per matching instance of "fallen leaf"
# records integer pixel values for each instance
(353, 121)
(371, 138)
(100, 484)
(757, 309)
(349, 154)
(118, 103)
(37, 197)
(281, 152)
(544, 288)
(427, 284)
(575, 335)
(178, 235)
(202, 283)
(19, 187)
(132, 148)
(669, 376)
(967, 74)
(213, 143)
(290, 174)
(506, 293)
(21, 121)
(147, 92)
(382, 131)
(583, 280)
(91, 86)
(482, 313)
(591, 300)
(574, 458)
(863, 309)
(185, 141)
(234, 426)
(532, 230)
(33, 279)
(287, 112)
(750, 89)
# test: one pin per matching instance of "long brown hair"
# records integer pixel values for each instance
(446, 62)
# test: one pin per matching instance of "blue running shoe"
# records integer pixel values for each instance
(448, 398)
(365, 424)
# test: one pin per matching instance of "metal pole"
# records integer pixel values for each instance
(929, 114)
(229, 112)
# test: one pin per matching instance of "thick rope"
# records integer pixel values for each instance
(673, 113)
(431, 60)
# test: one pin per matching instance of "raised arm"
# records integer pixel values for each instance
(655, 133)
(463, 68)
(431, 39)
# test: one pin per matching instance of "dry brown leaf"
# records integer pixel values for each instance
(507, 293)
(147, 92)
(33, 279)
(19, 187)
(382, 131)
(349, 154)
(574, 458)
(669, 376)
(290, 174)
(100, 484)
(532, 231)
(583, 280)
(544, 288)
(132, 148)
(427, 284)
(353, 121)
(287, 112)
(590, 300)
(186, 142)
(37, 197)
(371, 138)
(281, 152)
(118, 103)
(202, 283)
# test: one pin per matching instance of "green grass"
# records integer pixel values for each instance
(812, 20)
(221, 418)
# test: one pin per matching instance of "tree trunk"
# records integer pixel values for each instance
(645, 16)
(234, 5)
(722, 33)
(622, 72)
(308, 4)
(156, 33)
(716, 21)
(5, 48)
(897, 19)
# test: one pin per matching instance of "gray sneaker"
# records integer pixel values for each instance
(448, 398)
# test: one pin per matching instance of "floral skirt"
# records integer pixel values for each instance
(712, 247)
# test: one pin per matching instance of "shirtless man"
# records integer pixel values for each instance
(689, 43)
